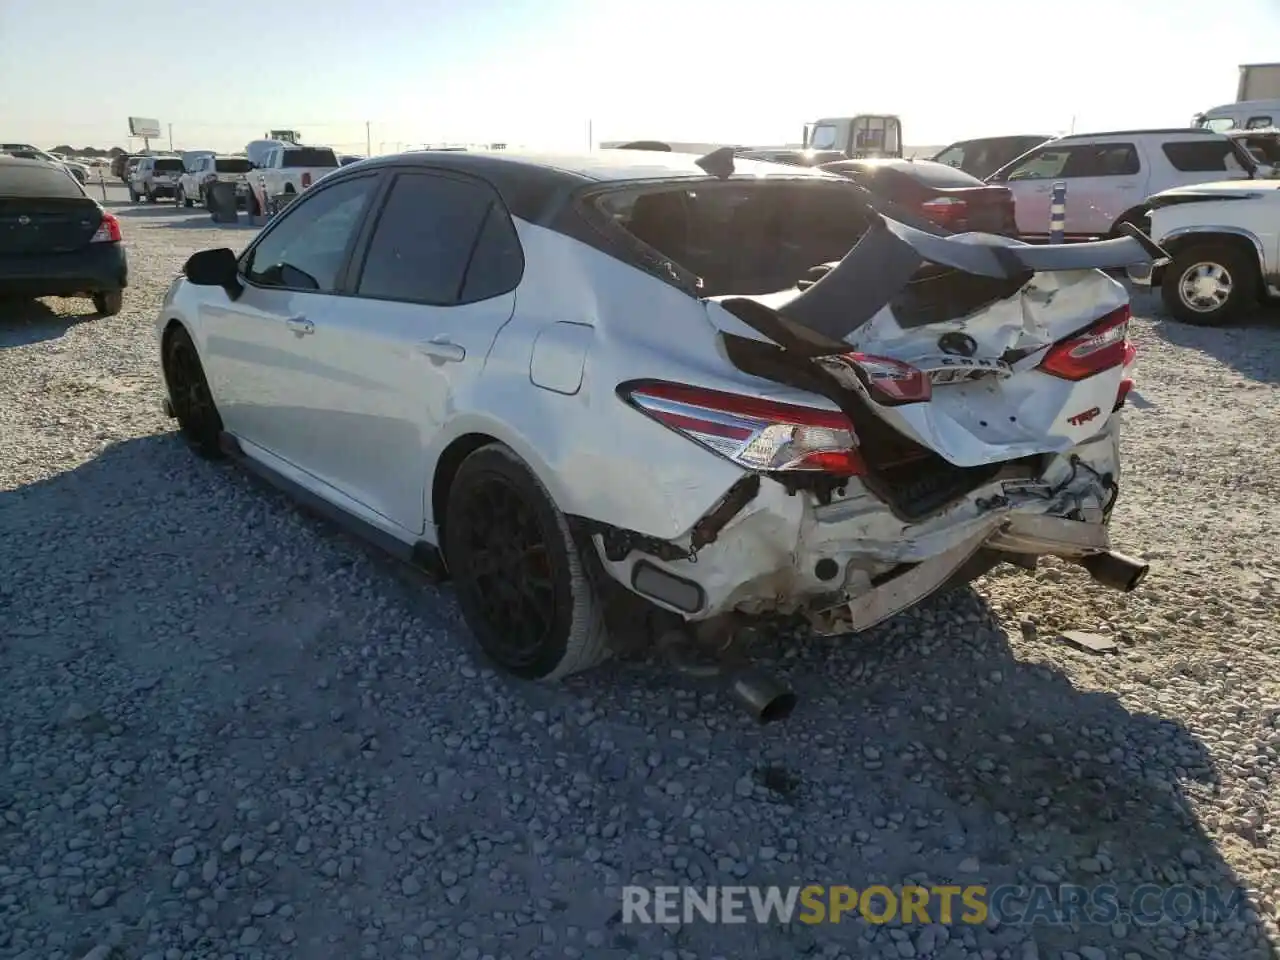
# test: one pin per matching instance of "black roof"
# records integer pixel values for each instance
(534, 184)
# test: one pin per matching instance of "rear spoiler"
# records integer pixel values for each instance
(886, 258)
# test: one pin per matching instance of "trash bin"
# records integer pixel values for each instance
(222, 203)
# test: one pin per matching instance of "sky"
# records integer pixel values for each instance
(397, 73)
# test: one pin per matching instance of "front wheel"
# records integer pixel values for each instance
(109, 303)
(1209, 283)
(190, 396)
(520, 577)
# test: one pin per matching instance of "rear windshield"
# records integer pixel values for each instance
(32, 179)
(310, 157)
(169, 166)
(938, 175)
(232, 165)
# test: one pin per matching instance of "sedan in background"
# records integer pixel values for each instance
(948, 197)
(28, 152)
(55, 240)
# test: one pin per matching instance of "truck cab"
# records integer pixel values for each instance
(857, 137)
(1244, 115)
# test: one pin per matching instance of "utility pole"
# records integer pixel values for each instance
(171, 137)
(591, 140)
(368, 139)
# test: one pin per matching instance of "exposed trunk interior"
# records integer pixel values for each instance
(744, 237)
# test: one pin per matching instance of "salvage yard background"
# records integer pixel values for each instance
(228, 731)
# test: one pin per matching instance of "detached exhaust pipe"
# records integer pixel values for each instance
(1116, 570)
(763, 696)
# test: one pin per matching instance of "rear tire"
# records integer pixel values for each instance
(190, 396)
(521, 581)
(1209, 283)
(109, 303)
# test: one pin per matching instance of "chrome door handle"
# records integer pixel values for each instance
(443, 349)
(300, 326)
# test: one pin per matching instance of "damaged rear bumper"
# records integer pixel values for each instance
(852, 563)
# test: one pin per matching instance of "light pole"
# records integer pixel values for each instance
(171, 137)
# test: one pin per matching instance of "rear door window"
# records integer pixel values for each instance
(1258, 123)
(1201, 156)
(422, 248)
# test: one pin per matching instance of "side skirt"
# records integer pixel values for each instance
(421, 555)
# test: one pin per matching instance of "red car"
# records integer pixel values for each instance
(949, 197)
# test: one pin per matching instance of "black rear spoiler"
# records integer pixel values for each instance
(886, 258)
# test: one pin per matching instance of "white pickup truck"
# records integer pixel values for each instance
(289, 168)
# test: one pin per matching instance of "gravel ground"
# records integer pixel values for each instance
(229, 731)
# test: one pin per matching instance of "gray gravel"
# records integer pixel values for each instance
(229, 731)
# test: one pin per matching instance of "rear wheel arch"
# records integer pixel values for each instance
(1139, 216)
(446, 469)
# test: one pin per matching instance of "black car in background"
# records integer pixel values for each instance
(983, 157)
(56, 241)
(947, 196)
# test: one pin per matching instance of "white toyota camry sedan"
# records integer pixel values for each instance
(632, 388)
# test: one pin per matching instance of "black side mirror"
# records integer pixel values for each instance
(214, 268)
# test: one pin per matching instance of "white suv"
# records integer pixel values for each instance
(1223, 240)
(1110, 175)
(203, 171)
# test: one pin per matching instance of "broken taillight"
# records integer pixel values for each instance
(888, 381)
(1101, 346)
(754, 433)
(949, 212)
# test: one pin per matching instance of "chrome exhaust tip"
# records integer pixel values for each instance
(763, 696)
(1116, 570)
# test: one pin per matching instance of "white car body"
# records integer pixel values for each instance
(364, 404)
(1239, 219)
(1108, 176)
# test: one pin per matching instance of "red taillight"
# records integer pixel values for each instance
(1102, 346)
(306, 180)
(946, 211)
(889, 382)
(108, 230)
(754, 433)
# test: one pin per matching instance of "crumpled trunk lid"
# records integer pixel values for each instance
(975, 314)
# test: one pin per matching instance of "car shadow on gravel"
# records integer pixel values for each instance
(208, 618)
(165, 208)
(1251, 346)
(26, 322)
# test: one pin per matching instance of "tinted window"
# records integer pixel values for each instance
(424, 238)
(1103, 160)
(305, 249)
(309, 157)
(232, 165)
(169, 166)
(34, 179)
(498, 262)
(1202, 156)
